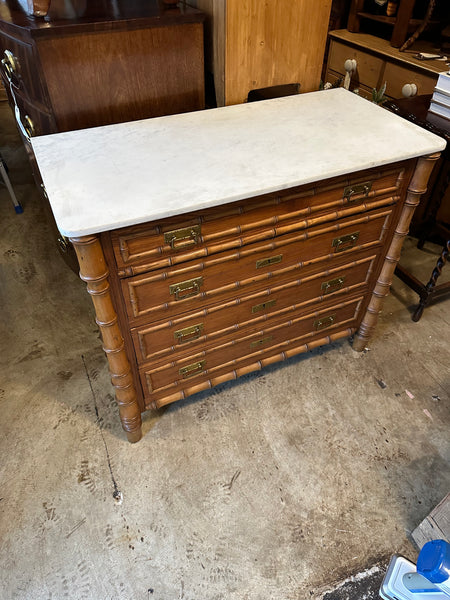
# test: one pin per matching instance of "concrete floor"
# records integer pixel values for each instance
(274, 487)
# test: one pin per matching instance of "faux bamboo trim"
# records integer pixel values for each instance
(94, 272)
(255, 366)
(417, 187)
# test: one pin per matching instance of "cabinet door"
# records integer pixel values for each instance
(254, 44)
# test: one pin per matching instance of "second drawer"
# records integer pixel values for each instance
(170, 292)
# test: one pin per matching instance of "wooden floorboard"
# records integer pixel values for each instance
(435, 526)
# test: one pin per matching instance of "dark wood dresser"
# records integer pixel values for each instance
(112, 62)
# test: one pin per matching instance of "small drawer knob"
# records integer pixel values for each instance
(409, 90)
(350, 65)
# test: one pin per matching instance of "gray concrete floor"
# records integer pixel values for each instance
(273, 487)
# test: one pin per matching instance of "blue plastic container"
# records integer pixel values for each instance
(434, 564)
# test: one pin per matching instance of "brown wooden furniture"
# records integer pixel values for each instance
(378, 62)
(401, 23)
(416, 111)
(252, 236)
(253, 44)
(113, 62)
(69, 74)
(209, 296)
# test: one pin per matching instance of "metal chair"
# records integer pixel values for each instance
(4, 173)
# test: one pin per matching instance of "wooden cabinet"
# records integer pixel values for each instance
(253, 44)
(401, 22)
(121, 62)
(261, 251)
(251, 282)
(376, 63)
(136, 62)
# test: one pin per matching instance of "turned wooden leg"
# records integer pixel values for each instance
(417, 187)
(94, 272)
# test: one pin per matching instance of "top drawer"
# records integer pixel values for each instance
(167, 242)
(369, 67)
(19, 68)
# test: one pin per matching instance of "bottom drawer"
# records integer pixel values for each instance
(173, 379)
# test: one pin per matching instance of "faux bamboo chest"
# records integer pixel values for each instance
(218, 242)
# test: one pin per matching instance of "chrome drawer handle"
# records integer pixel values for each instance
(186, 289)
(180, 239)
(193, 369)
(188, 334)
(325, 322)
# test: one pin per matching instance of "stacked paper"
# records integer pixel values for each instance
(440, 102)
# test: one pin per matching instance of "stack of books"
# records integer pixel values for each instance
(440, 102)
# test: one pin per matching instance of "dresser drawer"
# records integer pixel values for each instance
(396, 77)
(166, 379)
(17, 67)
(194, 285)
(173, 241)
(368, 67)
(185, 333)
(30, 119)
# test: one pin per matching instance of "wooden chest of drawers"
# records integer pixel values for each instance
(376, 63)
(203, 296)
(224, 291)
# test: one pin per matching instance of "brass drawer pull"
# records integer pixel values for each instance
(325, 322)
(188, 334)
(261, 341)
(263, 306)
(180, 239)
(63, 243)
(29, 126)
(193, 369)
(345, 242)
(10, 64)
(333, 285)
(359, 188)
(272, 260)
(186, 289)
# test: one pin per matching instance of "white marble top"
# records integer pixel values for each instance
(108, 177)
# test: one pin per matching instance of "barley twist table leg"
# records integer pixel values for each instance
(427, 292)
(417, 187)
(94, 272)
